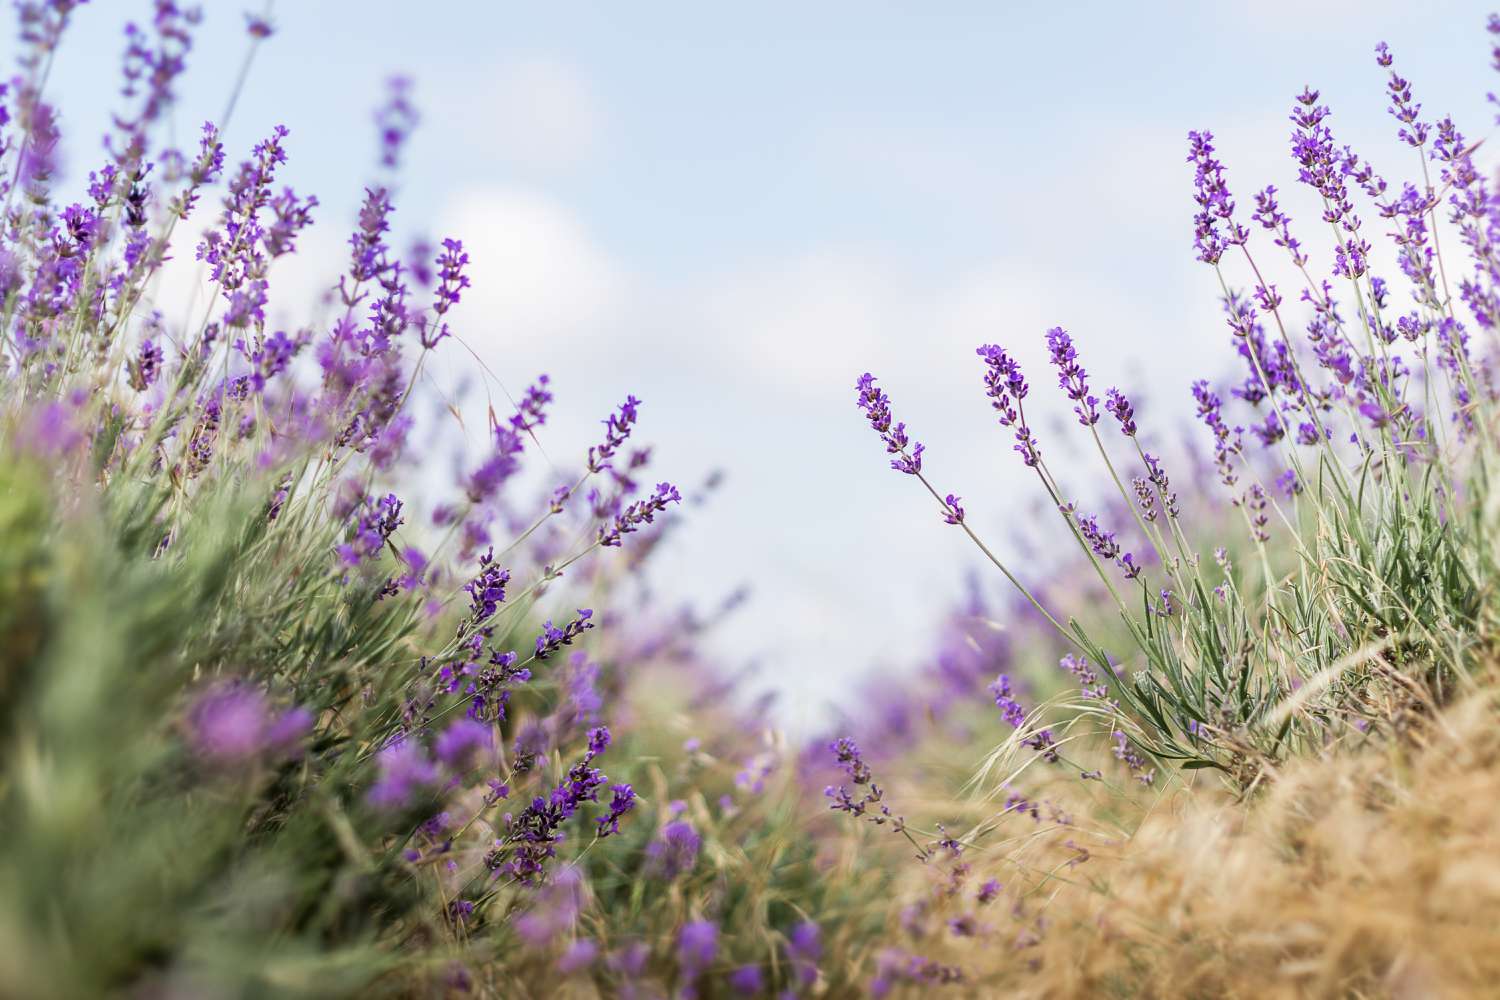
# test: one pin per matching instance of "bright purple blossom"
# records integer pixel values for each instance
(623, 802)
(638, 513)
(877, 407)
(1071, 377)
(1119, 407)
(1006, 387)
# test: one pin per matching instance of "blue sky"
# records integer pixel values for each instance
(734, 213)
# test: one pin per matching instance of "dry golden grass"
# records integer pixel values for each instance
(1373, 873)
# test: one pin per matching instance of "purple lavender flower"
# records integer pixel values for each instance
(877, 407)
(451, 262)
(1006, 388)
(395, 120)
(1119, 407)
(1071, 377)
(1089, 685)
(639, 513)
(1413, 132)
(487, 589)
(846, 753)
(145, 367)
(804, 947)
(1210, 411)
(675, 851)
(1010, 709)
(697, 947)
(1255, 503)
(1324, 170)
(1271, 218)
(617, 427)
(553, 638)
(232, 722)
(1103, 543)
(461, 742)
(952, 512)
(747, 981)
(1138, 768)
(623, 801)
(378, 520)
(1214, 227)
(404, 771)
(258, 27)
(578, 955)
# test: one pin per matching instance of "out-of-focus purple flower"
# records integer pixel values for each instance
(987, 892)
(747, 981)
(804, 947)
(697, 947)
(1255, 505)
(233, 722)
(395, 120)
(461, 741)
(1142, 772)
(258, 27)
(675, 850)
(578, 955)
(451, 262)
(404, 771)
(877, 407)
(554, 910)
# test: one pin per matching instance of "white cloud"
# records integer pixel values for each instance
(538, 113)
(538, 273)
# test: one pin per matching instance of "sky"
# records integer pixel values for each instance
(733, 212)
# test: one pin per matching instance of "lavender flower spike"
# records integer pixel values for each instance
(1071, 377)
(1006, 387)
(1214, 227)
(877, 406)
(1119, 407)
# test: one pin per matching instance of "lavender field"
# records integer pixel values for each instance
(362, 633)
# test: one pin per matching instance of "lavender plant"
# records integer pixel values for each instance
(1366, 446)
(270, 726)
